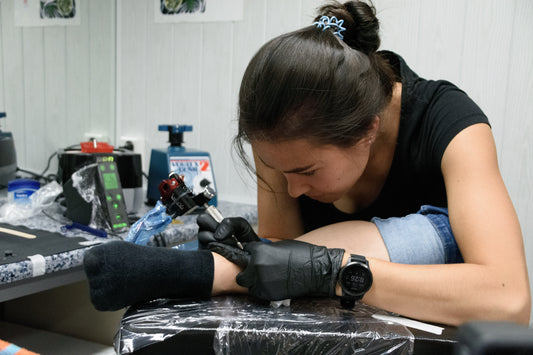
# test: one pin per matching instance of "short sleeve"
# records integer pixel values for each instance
(448, 113)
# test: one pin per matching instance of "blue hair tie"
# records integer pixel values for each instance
(326, 22)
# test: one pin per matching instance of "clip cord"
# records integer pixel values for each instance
(326, 22)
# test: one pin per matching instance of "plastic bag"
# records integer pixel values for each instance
(240, 325)
(13, 212)
(84, 181)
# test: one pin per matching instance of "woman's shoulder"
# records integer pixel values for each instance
(415, 86)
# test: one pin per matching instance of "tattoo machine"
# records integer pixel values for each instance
(179, 200)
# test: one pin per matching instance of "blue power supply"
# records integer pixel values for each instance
(194, 165)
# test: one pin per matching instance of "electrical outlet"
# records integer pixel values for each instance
(138, 143)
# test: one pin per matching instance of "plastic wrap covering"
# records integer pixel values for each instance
(44, 197)
(153, 222)
(240, 325)
(84, 181)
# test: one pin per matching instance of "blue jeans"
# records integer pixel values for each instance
(425, 237)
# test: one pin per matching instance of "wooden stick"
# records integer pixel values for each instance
(17, 233)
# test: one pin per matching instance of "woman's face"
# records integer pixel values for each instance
(324, 173)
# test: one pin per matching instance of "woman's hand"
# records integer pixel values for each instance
(228, 232)
(285, 269)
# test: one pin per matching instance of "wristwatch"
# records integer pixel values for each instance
(355, 279)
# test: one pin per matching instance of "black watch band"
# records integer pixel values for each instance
(347, 302)
(357, 258)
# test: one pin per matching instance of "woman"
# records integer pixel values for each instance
(356, 154)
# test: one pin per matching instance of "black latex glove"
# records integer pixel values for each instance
(286, 269)
(224, 232)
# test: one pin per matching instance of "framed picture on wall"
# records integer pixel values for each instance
(57, 9)
(47, 12)
(197, 10)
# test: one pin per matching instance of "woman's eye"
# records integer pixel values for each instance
(308, 173)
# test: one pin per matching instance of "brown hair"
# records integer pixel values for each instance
(311, 84)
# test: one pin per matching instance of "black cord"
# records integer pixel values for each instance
(52, 218)
(46, 178)
(48, 163)
(68, 221)
(34, 175)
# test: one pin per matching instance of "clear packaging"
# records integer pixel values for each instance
(84, 181)
(241, 325)
(153, 222)
(44, 197)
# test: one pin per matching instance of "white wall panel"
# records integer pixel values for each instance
(131, 70)
(282, 16)
(441, 29)
(248, 36)
(55, 89)
(399, 24)
(34, 93)
(162, 61)
(309, 11)
(186, 85)
(217, 106)
(485, 58)
(13, 84)
(58, 82)
(101, 18)
(77, 73)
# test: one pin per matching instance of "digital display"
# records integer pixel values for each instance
(110, 181)
(355, 279)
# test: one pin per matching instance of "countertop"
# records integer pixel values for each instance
(51, 219)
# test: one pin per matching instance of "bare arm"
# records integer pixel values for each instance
(493, 281)
(280, 214)
(279, 219)
(492, 284)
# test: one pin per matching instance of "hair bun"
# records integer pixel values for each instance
(362, 25)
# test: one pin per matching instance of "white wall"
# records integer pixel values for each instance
(189, 73)
(58, 83)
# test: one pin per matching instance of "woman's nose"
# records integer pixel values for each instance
(295, 186)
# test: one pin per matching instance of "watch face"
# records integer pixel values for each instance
(355, 279)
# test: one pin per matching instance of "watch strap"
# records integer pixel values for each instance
(358, 258)
(348, 302)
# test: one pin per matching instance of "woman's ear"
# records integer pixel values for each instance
(373, 131)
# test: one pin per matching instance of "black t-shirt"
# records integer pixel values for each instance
(432, 114)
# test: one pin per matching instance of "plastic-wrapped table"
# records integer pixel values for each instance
(242, 325)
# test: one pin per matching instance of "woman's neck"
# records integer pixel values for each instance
(389, 124)
(369, 186)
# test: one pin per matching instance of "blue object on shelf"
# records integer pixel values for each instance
(20, 190)
(75, 225)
